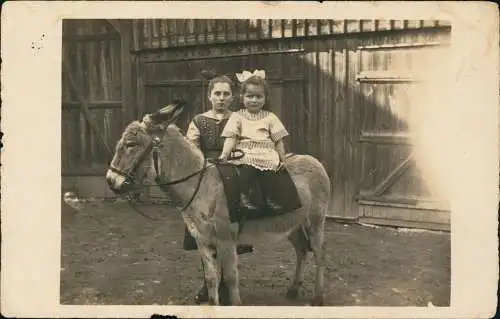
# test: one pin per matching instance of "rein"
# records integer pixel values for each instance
(154, 148)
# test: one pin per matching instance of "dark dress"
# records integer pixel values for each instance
(211, 144)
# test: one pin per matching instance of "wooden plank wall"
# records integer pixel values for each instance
(95, 55)
(314, 88)
(313, 83)
(173, 33)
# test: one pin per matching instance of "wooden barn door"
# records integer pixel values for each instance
(96, 93)
(392, 189)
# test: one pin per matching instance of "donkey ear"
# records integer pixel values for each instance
(169, 113)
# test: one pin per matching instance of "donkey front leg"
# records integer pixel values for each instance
(212, 272)
(229, 262)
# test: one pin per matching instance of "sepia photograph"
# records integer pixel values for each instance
(288, 179)
(268, 159)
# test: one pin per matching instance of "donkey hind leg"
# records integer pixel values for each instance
(212, 273)
(316, 236)
(301, 246)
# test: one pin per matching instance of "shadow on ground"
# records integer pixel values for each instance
(112, 255)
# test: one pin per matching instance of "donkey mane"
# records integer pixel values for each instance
(173, 132)
(181, 153)
(133, 129)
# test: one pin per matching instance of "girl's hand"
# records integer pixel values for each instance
(281, 165)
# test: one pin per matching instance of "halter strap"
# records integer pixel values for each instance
(201, 172)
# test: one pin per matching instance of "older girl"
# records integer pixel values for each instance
(204, 131)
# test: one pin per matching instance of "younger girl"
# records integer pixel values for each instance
(257, 132)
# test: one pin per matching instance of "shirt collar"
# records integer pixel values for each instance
(217, 116)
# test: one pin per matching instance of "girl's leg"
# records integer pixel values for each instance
(248, 174)
(267, 183)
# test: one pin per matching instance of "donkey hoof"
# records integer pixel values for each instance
(212, 302)
(236, 302)
(318, 301)
(292, 293)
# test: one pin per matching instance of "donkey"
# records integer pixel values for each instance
(156, 148)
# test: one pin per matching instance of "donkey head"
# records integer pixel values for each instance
(133, 157)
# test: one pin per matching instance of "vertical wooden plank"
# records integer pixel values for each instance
(264, 28)
(352, 131)
(155, 33)
(288, 28)
(180, 32)
(294, 27)
(311, 58)
(174, 38)
(427, 23)
(125, 71)
(65, 119)
(397, 24)
(313, 29)
(136, 41)
(252, 29)
(72, 64)
(338, 26)
(276, 29)
(231, 25)
(92, 27)
(318, 26)
(338, 125)
(384, 25)
(163, 33)
(351, 26)
(258, 28)
(283, 27)
(210, 26)
(325, 27)
(330, 26)
(299, 27)
(226, 30)
(324, 93)
(215, 29)
(190, 30)
(204, 28)
(92, 84)
(170, 33)
(148, 33)
(79, 72)
(197, 32)
(413, 24)
(367, 25)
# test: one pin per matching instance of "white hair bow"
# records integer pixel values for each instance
(245, 75)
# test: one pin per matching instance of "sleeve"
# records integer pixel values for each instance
(277, 130)
(233, 127)
(193, 134)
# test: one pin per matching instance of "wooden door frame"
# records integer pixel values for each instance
(375, 198)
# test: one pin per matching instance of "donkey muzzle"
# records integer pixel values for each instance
(117, 183)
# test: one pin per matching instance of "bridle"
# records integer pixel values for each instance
(154, 147)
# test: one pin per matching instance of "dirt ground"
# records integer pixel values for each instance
(111, 255)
